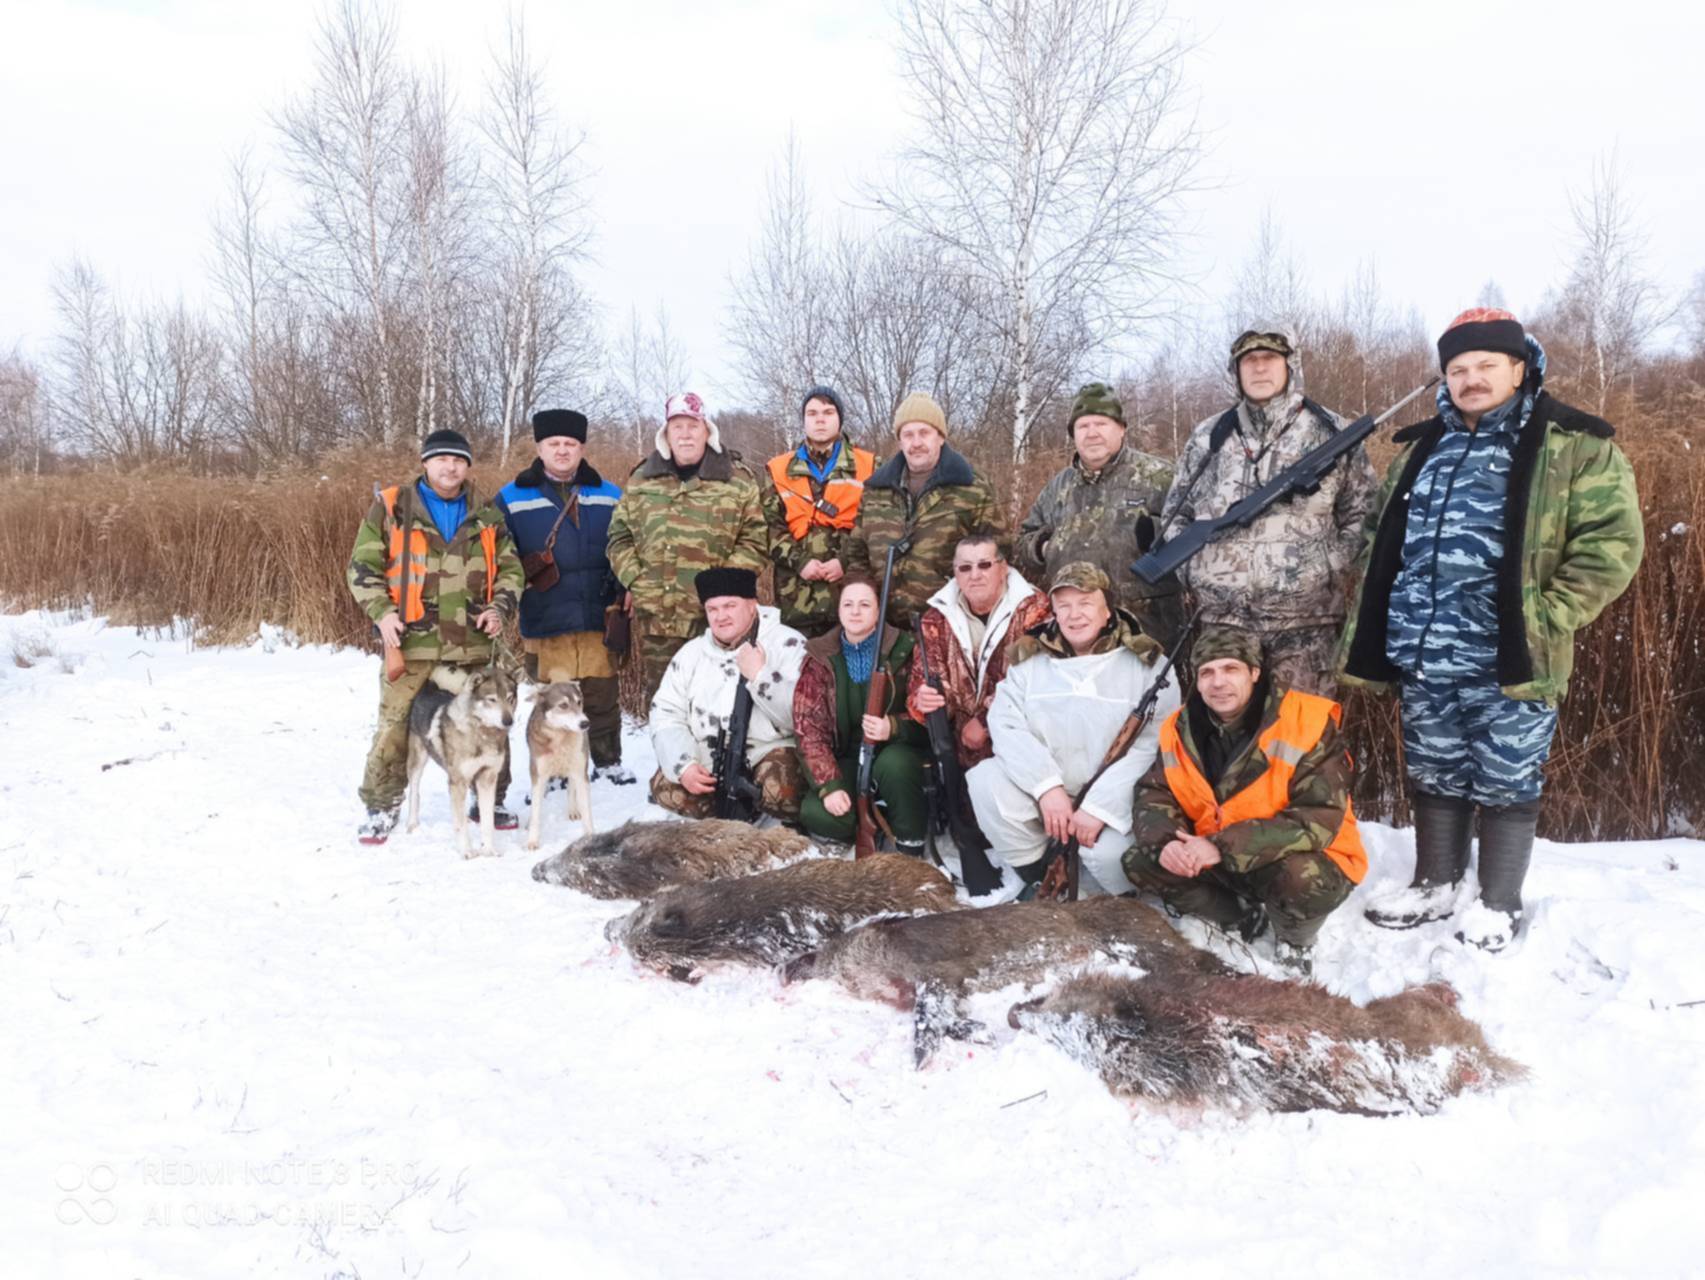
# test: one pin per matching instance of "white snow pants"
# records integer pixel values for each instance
(1012, 823)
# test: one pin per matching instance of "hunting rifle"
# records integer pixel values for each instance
(944, 794)
(875, 704)
(1302, 476)
(1062, 861)
(736, 795)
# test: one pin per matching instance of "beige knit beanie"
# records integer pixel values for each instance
(918, 407)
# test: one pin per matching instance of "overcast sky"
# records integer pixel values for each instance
(1439, 141)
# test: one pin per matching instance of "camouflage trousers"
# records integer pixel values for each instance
(1471, 741)
(655, 651)
(779, 776)
(384, 781)
(1298, 890)
(581, 655)
(1303, 658)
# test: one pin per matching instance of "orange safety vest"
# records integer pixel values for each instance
(415, 608)
(1297, 731)
(840, 493)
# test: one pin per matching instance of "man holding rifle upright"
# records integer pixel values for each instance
(745, 648)
(1284, 575)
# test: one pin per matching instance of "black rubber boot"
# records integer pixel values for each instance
(1444, 828)
(1506, 847)
(1444, 832)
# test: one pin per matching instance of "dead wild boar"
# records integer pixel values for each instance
(771, 917)
(928, 964)
(637, 859)
(1248, 1042)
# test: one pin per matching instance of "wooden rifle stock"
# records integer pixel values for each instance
(1064, 861)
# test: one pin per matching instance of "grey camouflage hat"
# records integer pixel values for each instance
(1080, 575)
(1218, 641)
(1096, 397)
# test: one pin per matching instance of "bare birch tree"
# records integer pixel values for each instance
(778, 320)
(535, 185)
(646, 367)
(1610, 308)
(23, 415)
(344, 142)
(1051, 152)
(440, 202)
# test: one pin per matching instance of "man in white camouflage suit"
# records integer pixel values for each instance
(1284, 577)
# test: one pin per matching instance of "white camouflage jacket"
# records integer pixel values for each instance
(696, 697)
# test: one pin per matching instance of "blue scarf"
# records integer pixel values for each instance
(447, 513)
(820, 474)
(860, 657)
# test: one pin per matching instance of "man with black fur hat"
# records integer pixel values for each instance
(558, 511)
(744, 641)
(811, 501)
(1508, 522)
(1104, 508)
(1245, 815)
(435, 569)
(1285, 575)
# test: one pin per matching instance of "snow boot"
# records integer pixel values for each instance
(501, 818)
(1295, 960)
(618, 774)
(1506, 847)
(1444, 830)
(376, 828)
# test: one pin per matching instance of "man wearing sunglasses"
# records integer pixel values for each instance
(1284, 576)
(967, 632)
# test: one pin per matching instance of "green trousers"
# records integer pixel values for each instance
(898, 776)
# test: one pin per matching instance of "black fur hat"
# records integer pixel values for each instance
(559, 422)
(711, 583)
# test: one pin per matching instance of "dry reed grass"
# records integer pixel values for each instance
(149, 547)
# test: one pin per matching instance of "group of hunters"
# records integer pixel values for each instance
(1508, 521)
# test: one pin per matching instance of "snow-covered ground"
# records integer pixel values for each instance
(239, 1044)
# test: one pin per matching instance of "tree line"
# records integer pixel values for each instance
(412, 261)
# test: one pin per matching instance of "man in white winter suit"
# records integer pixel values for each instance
(1072, 684)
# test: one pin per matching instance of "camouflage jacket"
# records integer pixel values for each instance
(969, 676)
(956, 500)
(1093, 515)
(1290, 567)
(1574, 550)
(454, 584)
(665, 530)
(806, 605)
(1319, 793)
(828, 707)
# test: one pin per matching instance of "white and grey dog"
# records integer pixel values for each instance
(557, 748)
(466, 730)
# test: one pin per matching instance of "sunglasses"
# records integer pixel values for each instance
(980, 566)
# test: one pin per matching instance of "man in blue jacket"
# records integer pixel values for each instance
(558, 511)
